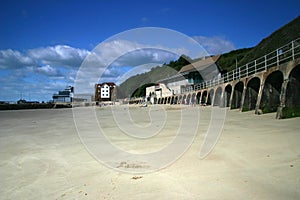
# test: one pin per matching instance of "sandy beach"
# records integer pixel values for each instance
(42, 157)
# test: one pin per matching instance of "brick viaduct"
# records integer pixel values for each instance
(267, 91)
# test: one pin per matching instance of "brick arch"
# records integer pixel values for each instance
(165, 100)
(158, 101)
(168, 100)
(183, 99)
(193, 98)
(217, 97)
(198, 96)
(203, 97)
(180, 99)
(188, 99)
(251, 95)
(227, 95)
(288, 70)
(210, 97)
(270, 99)
(293, 88)
(172, 100)
(176, 100)
(236, 101)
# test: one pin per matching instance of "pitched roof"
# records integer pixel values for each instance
(200, 65)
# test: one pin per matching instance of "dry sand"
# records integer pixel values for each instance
(42, 157)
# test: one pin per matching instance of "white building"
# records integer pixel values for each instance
(193, 74)
(189, 76)
(65, 95)
(105, 91)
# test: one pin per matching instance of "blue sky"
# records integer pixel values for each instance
(43, 43)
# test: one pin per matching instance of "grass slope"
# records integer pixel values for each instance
(226, 62)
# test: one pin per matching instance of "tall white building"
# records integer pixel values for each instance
(105, 91)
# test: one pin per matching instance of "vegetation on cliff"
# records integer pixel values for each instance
(131, 86)
(227, 61)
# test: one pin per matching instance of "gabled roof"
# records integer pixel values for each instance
(200, 65)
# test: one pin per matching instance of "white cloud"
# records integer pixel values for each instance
(25, 83)
(38, 71)
(53, 56)
(124, 52)
(215, 45)
(108, 59)
(10, 59)
(144, 56)
(61, 55)
(47, 70)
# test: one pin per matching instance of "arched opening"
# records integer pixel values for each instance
(198, 100)
(165, 100)
(169, 100)
(227, 94)
(180, 99)
(237, 95)
(188, 99)
(204, 96)
(158, 101)
(270, 99)
(292, 103)
(218, 95)
(176, 100)
(251, 94)
(193, 99)
(183, 99)
(172, 100)
(155, 100)
(210, 97)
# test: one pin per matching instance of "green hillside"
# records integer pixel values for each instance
(226, 62)
(128, 87)
(282, 36)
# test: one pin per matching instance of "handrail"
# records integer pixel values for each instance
(288, 52)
